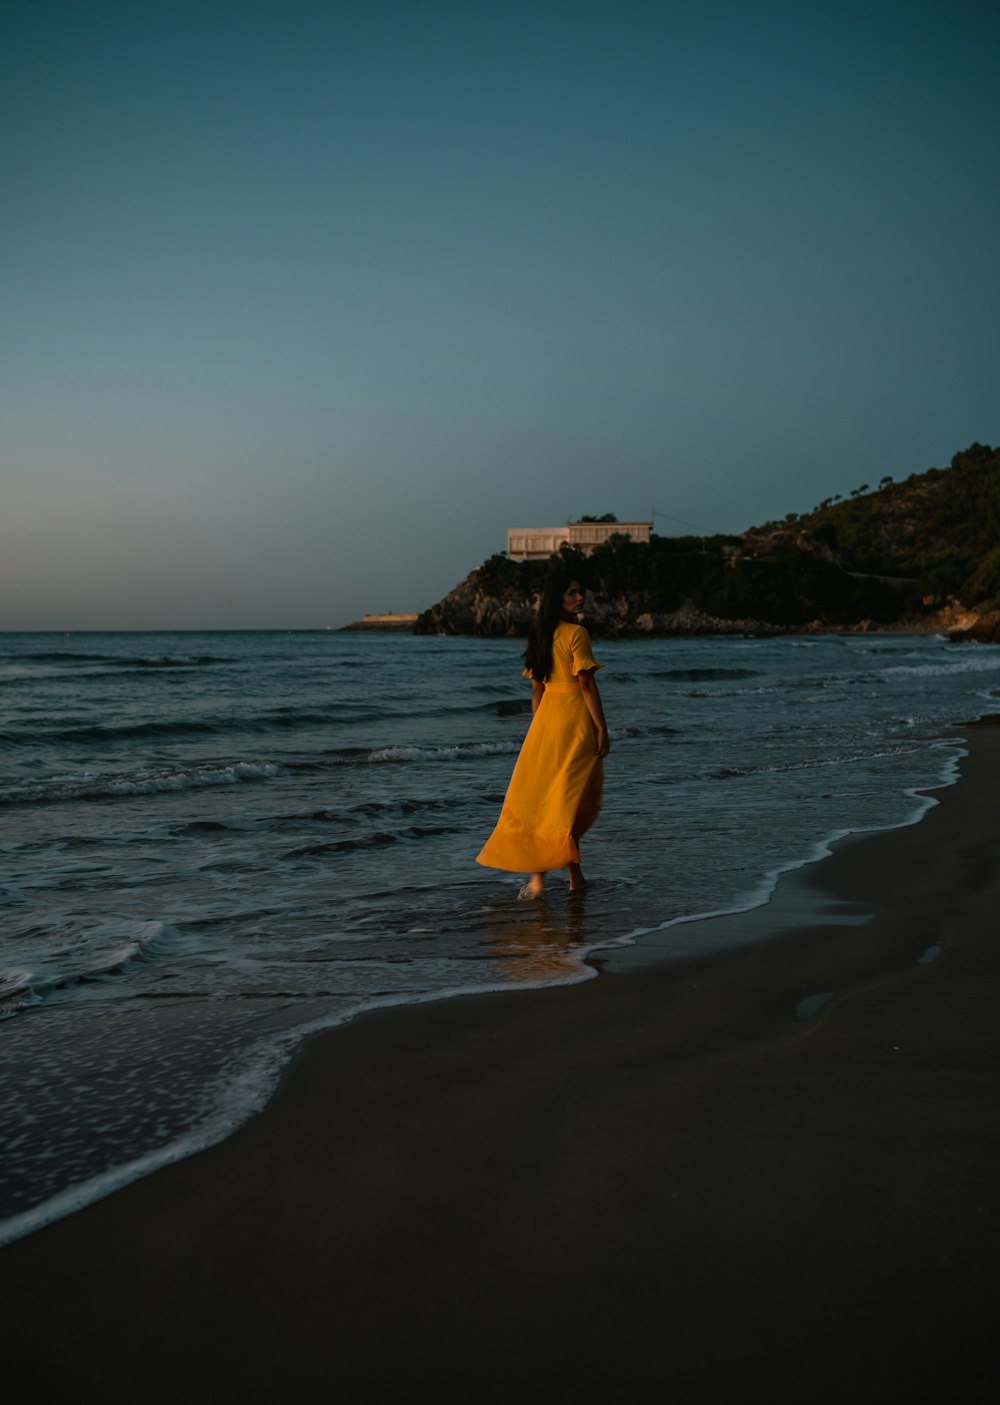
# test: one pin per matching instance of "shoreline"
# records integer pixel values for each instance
(716, 1190)
(783, 898)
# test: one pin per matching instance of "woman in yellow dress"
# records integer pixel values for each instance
(554, 794)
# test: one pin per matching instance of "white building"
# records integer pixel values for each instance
(538, 543)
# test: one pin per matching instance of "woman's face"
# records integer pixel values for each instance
(572, 601)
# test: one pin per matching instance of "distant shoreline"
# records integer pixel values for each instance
(726, 629)
(407, 625)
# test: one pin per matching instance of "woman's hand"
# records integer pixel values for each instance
(592, 701)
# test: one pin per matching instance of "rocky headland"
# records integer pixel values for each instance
(921, 555)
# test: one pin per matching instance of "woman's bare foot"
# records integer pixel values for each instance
(534, 888)
(577, 882)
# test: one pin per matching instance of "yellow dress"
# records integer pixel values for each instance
(554, 794)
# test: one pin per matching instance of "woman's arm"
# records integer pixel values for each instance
(537, 689)
(592, 699)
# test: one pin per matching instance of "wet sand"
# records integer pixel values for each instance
(664, 1184)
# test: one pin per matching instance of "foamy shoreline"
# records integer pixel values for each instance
(779, 901)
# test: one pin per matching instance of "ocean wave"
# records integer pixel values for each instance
(705, 675)
(502, 707)
(348, 814)
(464, 751)
(169, 661)
(633, 730)
(976, 663)
(104, 733)
(408, 807)
(21, 989)
(96, 733)
(331, 756)
(206, 827)
(88, 786)
(376, 840)
(135, 661)
(812, 763)
(16, 993)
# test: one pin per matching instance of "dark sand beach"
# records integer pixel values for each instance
(663, 1184)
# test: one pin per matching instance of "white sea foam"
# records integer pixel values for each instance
(815, 763)
(444, 753)
(88, 785)
(16, 992)
(149, 940)
(762, 893)
(951, 667)
(238, 1099)
(20, 989)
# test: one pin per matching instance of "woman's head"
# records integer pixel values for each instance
(561, 599)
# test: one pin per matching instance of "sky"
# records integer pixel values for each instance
(303, 304)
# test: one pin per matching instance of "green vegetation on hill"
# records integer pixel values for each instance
(787, 587)
(937, 529)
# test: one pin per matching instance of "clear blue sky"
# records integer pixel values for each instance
(304, 304)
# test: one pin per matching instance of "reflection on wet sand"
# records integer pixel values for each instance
(544, 943)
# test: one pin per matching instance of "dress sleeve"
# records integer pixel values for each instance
(583, 659)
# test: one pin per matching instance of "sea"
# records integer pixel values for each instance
(215, 844)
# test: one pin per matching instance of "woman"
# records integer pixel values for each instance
(554, 795)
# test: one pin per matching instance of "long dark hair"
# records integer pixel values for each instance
(538, 654)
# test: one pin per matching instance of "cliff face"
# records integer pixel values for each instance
(471, 609)
(981, 628)
(921, 554)
(468, 611)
